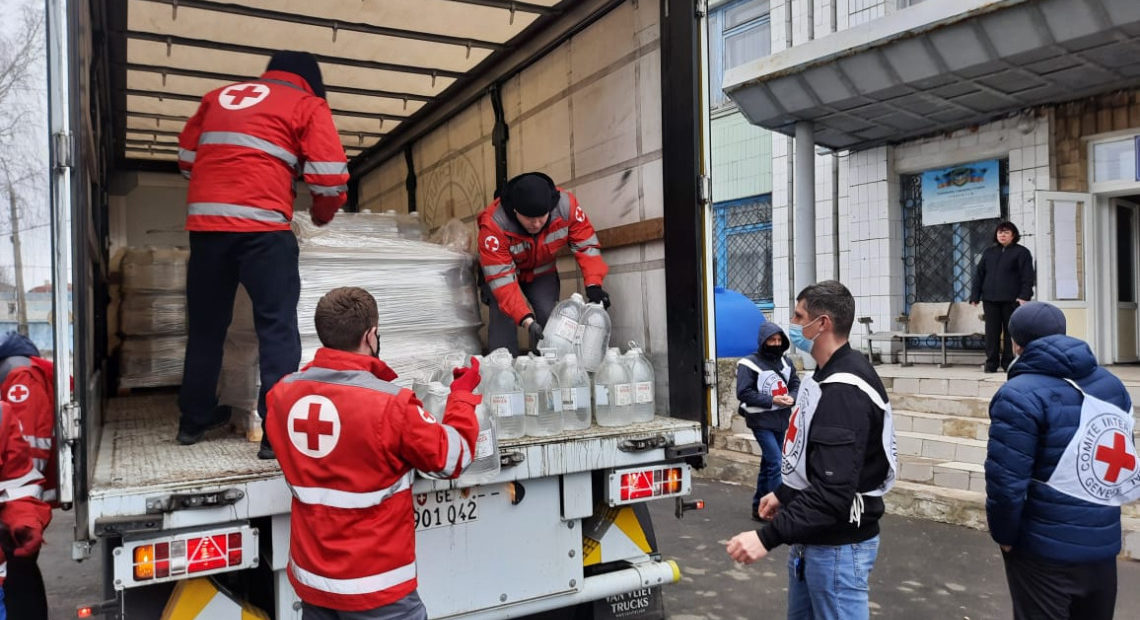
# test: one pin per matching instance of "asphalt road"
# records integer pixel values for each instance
(925, 570)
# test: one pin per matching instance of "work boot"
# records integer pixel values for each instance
(266, 452)
(189, 437)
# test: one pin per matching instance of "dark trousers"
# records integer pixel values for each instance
(266, 265)
(542, 294)
(408, 608)
(999, 347)
(769, 478)
(24, 593)
(1044, 590)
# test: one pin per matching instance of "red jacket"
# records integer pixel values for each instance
(20, 503)
(509, 253)
(247, 143)
(30, 394)
(348, 442)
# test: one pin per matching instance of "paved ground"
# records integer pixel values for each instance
(925, 570)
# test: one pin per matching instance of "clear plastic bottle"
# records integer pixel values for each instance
(522, 362)
(503, 395)
(436, 399)
(543, 399)
(641, 377)
(451, 361)
(485, 464)
(575, 384)
(563, 328)
(613, 393)
(595, 337)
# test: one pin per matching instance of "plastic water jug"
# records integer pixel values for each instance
(485, 464)
(575, 384)
(613, 393)
(435, 402)
(522, 362)
(503, 395)
(563, 328)
(543, 399)
(595, 337)
(451, 361)
(641, 376)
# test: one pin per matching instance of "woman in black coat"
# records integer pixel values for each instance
(1004, 280)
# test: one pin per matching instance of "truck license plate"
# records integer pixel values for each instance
(444, 508)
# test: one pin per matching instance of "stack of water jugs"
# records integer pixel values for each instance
(578, 379)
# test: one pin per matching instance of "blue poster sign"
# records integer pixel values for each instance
(961, 193)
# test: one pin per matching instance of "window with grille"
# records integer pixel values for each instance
(739, 32)
(743, 257)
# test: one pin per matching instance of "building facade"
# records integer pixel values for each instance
(904, 131)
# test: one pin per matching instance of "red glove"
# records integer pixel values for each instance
(466, 379)
(26, 540)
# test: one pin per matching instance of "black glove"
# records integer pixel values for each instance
(534, 329)
(597, 296)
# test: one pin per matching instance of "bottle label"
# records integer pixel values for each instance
(567, 398)
(554, 399)
(624, 396)
(567, 328)
(582, 397)
(484, 445)
(643, 392)
(602, 395)
(532, 403)
(507, 405)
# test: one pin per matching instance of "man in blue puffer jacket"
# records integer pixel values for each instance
(1059, 550)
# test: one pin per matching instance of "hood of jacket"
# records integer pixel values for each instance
(767, 330)
(1059, 356)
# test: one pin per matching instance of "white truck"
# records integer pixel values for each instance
(438, 102)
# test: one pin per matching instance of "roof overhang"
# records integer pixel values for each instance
(942, 65)
(382, 62)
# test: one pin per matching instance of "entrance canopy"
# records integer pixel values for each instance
(942, 65)
(383, 61)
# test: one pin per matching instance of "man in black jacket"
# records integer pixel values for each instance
(839, 460)
(1004, 280)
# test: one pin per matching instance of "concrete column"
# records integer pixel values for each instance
(803, 245)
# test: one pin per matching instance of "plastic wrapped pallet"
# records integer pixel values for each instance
(152, 314)
(425, 293)
(151, 361)
(155, 269)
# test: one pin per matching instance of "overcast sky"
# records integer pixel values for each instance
(35, 237)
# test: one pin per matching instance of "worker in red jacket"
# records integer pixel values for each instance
(348, 442)
(23, 517)
(519, 235)
(27, 388)
(242, 151)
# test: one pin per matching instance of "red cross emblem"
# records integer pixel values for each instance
(314, 426)
(18, 393)
(579, 214)
(491, 242)
(1117, 458)
(793, 430)
(242, 96)
(781, 389)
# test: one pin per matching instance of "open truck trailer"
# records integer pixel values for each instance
(438, 102)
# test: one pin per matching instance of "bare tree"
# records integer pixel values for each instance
(22, 173)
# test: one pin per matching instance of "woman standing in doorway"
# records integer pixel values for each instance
(1004, 280)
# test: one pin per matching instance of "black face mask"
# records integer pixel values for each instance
(375, 352)
(772, 351)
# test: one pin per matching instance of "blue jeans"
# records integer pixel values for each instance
(834, 582)
(768, 479)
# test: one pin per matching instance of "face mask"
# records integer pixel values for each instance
(375, 352)
(772, 351)
(796, 334)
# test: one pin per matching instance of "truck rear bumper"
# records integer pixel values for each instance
(643, 575)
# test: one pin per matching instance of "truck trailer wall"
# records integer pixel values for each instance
(589, 115)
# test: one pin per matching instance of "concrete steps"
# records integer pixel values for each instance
(939, 424)
(941, 447)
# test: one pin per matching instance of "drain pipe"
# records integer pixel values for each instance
(804, 247)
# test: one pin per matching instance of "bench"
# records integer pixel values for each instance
(925, 319)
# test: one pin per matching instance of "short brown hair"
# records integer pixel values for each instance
(344, 315)
(830, 297)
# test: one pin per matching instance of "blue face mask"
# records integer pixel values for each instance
(796, 335)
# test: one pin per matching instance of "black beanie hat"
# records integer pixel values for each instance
(303, 64)
(532, 194)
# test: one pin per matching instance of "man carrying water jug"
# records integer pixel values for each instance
(349, 442)
(1060, 462)
(520, 234)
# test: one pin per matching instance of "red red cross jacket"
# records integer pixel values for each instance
(30, 394)
(508, 253)
(247, 143)
(348, 442)
(22, 511)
